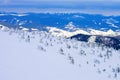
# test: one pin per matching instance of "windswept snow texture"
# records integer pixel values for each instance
(38, 55)
(61, 20)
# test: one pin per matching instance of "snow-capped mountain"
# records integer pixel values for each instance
(63, 33)
(103, 33)
(28, 55)
(64, 24)
(108, 38)
(68, 21)
(56, 31)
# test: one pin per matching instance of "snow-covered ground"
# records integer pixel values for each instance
(59, 32)
(38, 55)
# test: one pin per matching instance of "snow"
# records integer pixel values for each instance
(111, 22)
(3, 28)
(92, 39)
(33, 29)
(63, 33)
(59, 32)
(2, 14)
(80, 31)
(103, 33)
(38, 55)
(23, 28)
(22, 22)
(78, 16)
(111, 32)
(19, 15)
(70, 26)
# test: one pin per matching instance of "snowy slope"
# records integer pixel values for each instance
(3, 28)
(103, 33)
(38, 55)
(59, 32)
(63, 33)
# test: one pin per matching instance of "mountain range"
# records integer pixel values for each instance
(60, 20)
(104, 30)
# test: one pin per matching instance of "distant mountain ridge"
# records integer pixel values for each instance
(84, 27)
(60, 20)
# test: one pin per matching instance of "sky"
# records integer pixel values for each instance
(6, 5)
(17, 2)
(59, 2)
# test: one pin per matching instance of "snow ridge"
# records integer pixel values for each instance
(59, 32)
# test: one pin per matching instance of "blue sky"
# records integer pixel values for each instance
(17, 2)
(104, 5)
(59, 2)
